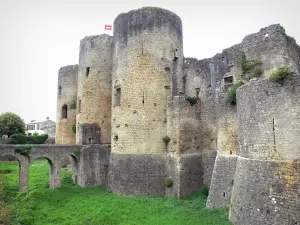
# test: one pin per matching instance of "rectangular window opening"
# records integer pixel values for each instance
(87, 71)
(118, 97)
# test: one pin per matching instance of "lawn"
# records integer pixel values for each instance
(73, 205)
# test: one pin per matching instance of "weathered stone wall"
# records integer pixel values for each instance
(222, 181)
(266, 183)
(147, 41)
(66, 95)
(188, 164)
(93, 165)
(94, 85)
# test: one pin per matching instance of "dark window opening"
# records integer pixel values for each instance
(79, 105)
(228, 80)
(118, 97)
(87, 71)
(143, 101)
(230, 152)
(90, 140)
(64, 112)
(223, 194)
(59, 90)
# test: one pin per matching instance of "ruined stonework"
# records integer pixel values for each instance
(152, 122)
(66, 105)
(266, 184)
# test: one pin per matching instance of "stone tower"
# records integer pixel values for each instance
(147, 65)
(266, 182)
(66, 105)
(94, 90)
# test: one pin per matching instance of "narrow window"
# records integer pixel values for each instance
(64, 112)
(59, 90)
(87, 71)
(79, 105)
(118, 97)
(90, 140)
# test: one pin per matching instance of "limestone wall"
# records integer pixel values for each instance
(94, 86)
(266, 183)
(66, 95)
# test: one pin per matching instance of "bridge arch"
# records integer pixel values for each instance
(54, 179)
(23, 169)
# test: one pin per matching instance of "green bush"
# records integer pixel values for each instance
(288, 38)
(252, 68)
(166, 139)
(35, 134)
(74, 128)
(168, 182)
(232, 93)
(23, 150)
(20, 139)
(205, 190)
(73, 105)
(280, 74)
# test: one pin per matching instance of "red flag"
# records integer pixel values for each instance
(108, 27)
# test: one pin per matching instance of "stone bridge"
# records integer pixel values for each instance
(89, 162)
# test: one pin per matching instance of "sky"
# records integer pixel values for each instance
(40, 36)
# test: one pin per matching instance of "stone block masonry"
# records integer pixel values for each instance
(266, 183)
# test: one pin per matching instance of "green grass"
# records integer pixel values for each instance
(72, 204)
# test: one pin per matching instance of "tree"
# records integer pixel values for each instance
(10, 124)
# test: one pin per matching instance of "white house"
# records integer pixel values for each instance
(41, 127)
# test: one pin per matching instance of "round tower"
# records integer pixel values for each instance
(268, 167)
(94, 90)
(147, 70)
(66, 105)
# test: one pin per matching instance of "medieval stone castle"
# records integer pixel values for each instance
(153, 122)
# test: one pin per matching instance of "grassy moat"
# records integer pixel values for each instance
(73, 205)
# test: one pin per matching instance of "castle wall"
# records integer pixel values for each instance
(93, 165)
(147, 70)
(94, 88)
(188, 164)
(266, 183)
(66, 95)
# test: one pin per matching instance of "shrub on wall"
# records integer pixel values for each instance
(191, 100)
(73, 105)
(168, 182)
(280, 74)
(205, 190)
(74, 128)
(20, 139)
(252, 68)
(232, 92)
(288, 38)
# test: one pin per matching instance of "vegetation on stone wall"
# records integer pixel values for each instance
(168, 182)
(280, 74)
(231, 97)
(205, 190)
(288, 38)
(166, 139)
(191, 100)
(74, 128)
(23, 149)
(73, 105)
(20, 139)
(10, 124)
(252, 68)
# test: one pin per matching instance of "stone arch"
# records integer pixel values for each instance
(23, 170)
(54, 180)
(75, 168)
